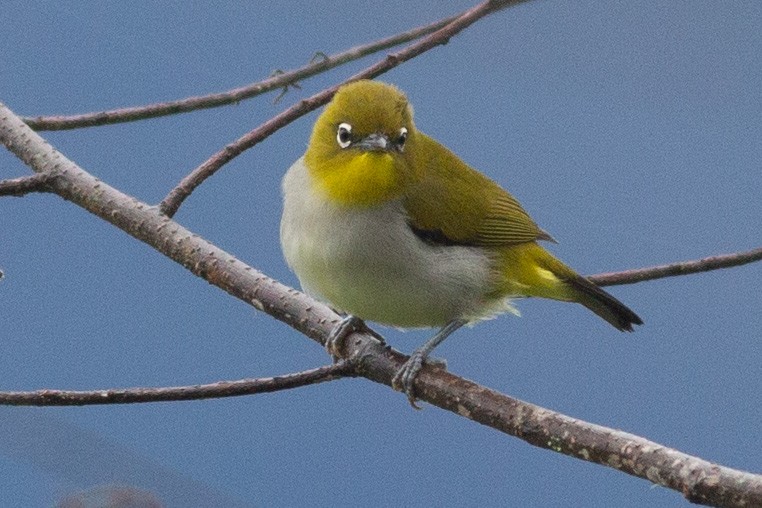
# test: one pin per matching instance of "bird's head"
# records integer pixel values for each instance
(359, 152)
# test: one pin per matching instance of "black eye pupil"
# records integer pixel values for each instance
(402, 138)
(344, 135)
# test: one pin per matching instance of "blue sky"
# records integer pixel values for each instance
(629, 130)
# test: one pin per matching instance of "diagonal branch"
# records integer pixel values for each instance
(25, 185)
(341, 369)
(698, 480)
(681, 268)
(170, 204)
(280, 80)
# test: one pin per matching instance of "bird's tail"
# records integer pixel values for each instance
(533, 271)
(603, 304)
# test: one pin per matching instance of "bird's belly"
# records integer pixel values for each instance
(379, 294)
(369, 263)
(393, 285)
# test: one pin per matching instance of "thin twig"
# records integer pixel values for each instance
(170, 204)
(341, 369)
(698, 480)
(280, 80)
(680, 268)
(25, 185)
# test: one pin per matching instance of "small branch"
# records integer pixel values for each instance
(681, 268)
(698, 480)
(220, 389)
(171, 203)
(25, 185)
(281, 80)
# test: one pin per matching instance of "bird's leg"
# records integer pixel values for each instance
(404, 379)
(348, 325)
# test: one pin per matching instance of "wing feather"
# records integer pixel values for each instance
(452, 201)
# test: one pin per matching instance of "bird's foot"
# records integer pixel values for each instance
(404, 379)
(346, 327)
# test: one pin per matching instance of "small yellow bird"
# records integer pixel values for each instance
(385, 224)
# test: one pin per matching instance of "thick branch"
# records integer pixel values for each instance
(170, 204)
(698, 480)
(681, 268)
(24, 185)
(234, 96)
(220, 389)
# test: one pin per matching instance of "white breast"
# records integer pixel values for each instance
(369, 263)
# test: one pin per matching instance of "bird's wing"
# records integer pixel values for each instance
(454, 204)
(506, 222)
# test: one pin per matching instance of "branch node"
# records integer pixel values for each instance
(286, 86)
(320, 58)
(18, 187)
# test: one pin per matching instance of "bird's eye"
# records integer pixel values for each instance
(344, 135)
(402, 138)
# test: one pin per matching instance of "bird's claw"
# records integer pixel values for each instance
(404, 379)
(335, 341)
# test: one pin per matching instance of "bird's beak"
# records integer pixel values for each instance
(372, 142)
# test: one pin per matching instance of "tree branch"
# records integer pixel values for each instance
(341, 369)
(680, 268)
(170, 204)
(279, 80)
(698, 480)
(25, 185)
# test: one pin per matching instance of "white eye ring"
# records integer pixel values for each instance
(402, 138)
(344, 135)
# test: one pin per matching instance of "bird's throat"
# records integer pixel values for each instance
(361, 179)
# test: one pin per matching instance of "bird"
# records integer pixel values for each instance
(385, 224)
